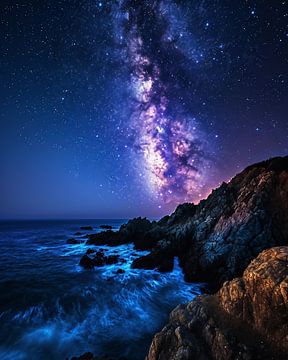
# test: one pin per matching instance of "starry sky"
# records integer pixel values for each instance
(121, 108)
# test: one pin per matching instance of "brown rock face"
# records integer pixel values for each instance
(247, 319)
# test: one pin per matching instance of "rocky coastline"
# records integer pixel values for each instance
(218, 242)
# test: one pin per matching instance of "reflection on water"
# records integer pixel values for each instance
(52, 309)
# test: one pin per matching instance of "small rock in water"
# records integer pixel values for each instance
(78, 233)
(73, 241)
(120, 271)
(86, 228)
(108, 227)
(86, 262)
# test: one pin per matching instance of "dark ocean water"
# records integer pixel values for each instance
(52, 309)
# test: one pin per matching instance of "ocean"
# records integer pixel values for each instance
(51, 308)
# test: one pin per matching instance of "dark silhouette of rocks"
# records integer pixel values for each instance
(90, 251)
(86, 262)
(86, 227)
(74, 241)
(215, 242)
(246, 319)
(108, 227)
(160, 260)
(217, 239)
(98, 260)
(136, 230)
(120, 271)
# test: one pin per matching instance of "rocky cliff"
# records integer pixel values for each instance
(215, 240)
(247, 318)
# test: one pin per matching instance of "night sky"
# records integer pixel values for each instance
(125, 108)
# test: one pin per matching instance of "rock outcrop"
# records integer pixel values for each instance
(136, 230)
(247, 319)
(217, 239)
(99, 259)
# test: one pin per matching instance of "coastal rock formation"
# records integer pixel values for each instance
(247, 319)
(217, 239)
(98, 260)
(136, 230)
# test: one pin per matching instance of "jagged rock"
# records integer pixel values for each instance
(134, 231)
(160, 260)
(216, 239)
(98, 260)
(86, 262)
(246, 319)
(86, 227)
(234, 224)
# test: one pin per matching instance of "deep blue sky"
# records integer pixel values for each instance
(69, 146)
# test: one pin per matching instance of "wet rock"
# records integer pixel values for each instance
(86, 262)
(108, 237)
(86, 227)
(108, 227)
(90, 251)
(136, 231)
(98, 260)
(74, 241)
(246, 319)
(120, 271)
(78, 233)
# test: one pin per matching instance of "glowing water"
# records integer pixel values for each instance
(52, 309)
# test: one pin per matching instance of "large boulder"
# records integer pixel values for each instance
(137, 231)
(247, 319)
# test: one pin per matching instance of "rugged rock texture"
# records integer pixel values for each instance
(217, 239)
(136, 230)
(98, 260)
(247, 319)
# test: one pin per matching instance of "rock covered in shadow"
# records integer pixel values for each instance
(246, 319)
(136, 231)
(86, 262)
(74, 241)
(161, 260)
(107, 227)
(86, 227)
(217, 239)
(98, 260)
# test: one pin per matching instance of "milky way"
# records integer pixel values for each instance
(168, 143)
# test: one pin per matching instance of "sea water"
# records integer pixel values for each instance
(51, 308)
